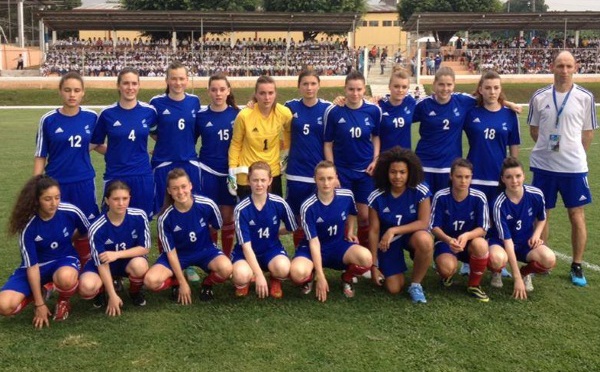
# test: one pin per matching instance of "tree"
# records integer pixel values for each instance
(314, 6)
(406, 8)
(525, 6)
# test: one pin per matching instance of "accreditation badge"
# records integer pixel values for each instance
(554, 143)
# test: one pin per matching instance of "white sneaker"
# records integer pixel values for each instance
(191, 275)
(528, 282)
(465, 269)
(496, 281)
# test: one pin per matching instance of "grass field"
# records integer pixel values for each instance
(555, 330)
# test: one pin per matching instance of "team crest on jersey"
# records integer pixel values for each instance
(38, 239)
(447, 212)
(432, 113)
(407, 110)
(530, 212)
(367, 122)
(193, 113)
(320, 120)
(65, 232)
(343, 216)
(117, 124)
(166, 112)
(476, 120)
(209, 124)
(386, 210)
(275, 220)
(320, 220)
(134, 234)
(87, 129)
(472, 215)
(177, 228)
(108, 241)
(341, 121)
(456, 112)
(59, 130)
(412, 208)
(144, 123)
(252, 223)
(202, 223)
(504, 126)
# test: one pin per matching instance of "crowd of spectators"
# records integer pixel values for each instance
(252, 57)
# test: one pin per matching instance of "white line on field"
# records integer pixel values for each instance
(567, 258)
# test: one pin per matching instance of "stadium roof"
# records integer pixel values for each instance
(193, 21)
(426, 22)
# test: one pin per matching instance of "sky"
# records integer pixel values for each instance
(555, 5)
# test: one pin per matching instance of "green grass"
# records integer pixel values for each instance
(555, 330)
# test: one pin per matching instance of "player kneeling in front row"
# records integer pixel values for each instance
(120, 241)
(519, 216)
(459, 222)
(184, 231)
(325, 217)
(257, 221)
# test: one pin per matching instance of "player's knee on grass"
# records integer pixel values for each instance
(9, 300)
(394, 284)
(446, 265)
(301, 268)
(242, 273)
(222, 266)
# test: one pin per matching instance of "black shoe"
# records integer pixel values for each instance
(118, 284)
(175, 293)
(206, 293)
(138, 298)
(100, 300)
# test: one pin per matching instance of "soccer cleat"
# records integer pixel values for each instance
(138, 298)
(275, 290)
(465, 269)
(478, 293)
(577, 277)
(528, 282)
(242, 291)
(62, 310)
(99, 300)
(175, 293)
(496, 281)
(307, 287)
(416, 293)
(118, 284)
(191, 275)
(506, 273)
(206, 293)
(447, 282)
(348, 289)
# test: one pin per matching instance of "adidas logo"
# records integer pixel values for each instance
(209, 124)
(38, 238)
(295, 115)
(320, 220)
(386, 114)
(255, 130)
(59, 130)
(432, 113)
(476, 120)
(386, 210)
(341, 121)
(167, 112)
(547, 107)
(509, 217)
(252, 223)
(582, 198)
(91, 216)
(108, 241)
(117, 124)
(177, 228)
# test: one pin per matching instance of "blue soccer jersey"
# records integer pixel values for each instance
(396, 123)
(490, 134)
(350, 130)
(398, 211)
(127, 132)
(458, 217)
(45, 241)
(327, 222)
(215, 129)
(134, 231)
(65, 142)
(517, 221)
(306, 149)
(261, 227)
(189, 232)
(175, 128)
(441, 131)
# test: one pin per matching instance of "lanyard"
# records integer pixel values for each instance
(559, 111)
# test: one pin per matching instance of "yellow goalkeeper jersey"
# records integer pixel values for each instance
(256, 137)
